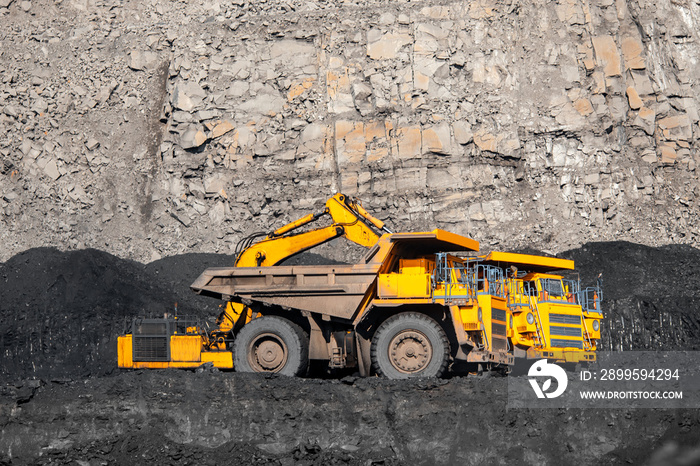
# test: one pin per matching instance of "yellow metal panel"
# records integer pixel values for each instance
(396, 302)
(520, 321)
(561, 355)
(185, 348)
(458, 240)
(416, 266)
(412, 286)
(593, 335)
(541, 262)
(394, 285)
(149, 365)
(124, 352)
(438, 240)
(388, 285)
(470, 317)
(221, 359)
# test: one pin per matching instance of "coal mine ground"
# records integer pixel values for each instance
(64, 401)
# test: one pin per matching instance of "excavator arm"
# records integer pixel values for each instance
(349, 220)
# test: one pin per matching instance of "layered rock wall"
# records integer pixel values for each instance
(153, 128)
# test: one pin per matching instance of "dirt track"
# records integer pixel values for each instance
(60, 314)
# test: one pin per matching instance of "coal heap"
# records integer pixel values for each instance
(61, 312)
(651, 295)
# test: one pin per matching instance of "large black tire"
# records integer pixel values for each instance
(410, 345)
(271, 344)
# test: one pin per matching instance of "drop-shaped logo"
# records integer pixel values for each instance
(550, 370)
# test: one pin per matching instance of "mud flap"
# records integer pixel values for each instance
(463, 345)
(364, 361)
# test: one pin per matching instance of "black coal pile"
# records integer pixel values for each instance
(651, 295)
(61, 312)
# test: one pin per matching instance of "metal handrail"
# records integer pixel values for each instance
(445, 273)
(590, 298)
(538, 325)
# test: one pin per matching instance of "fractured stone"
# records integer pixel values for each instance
(264, 104)
(192, 138)
(296, 53)
(350, 142)
(437, 140)
(385, 46)
(92, 144)
(186, 96)
(215, 184)
(632, 53)
(607, 55)
(299, 88)
(312, 140)
(486, 141)
(633, 99)
(51, 170)
(642, 83)
(583, 107)
(221, 129)
(141, 60)
(592, 179)
(409, 142)
(463, 132)
(668, 154)
(676, 127)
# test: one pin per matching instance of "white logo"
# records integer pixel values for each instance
(542, 369)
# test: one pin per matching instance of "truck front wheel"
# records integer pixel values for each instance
(271, 344)
(410, 345)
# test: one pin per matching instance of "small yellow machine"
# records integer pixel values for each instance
(410, 308)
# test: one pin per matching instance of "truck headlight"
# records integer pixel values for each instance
(480, 315)
(596, 325)
(530, 318)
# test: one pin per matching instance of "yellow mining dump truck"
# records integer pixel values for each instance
(552, 316)
(409, 308)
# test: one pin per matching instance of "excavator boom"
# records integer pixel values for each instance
(350, 220)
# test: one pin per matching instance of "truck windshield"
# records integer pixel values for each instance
(552, 287)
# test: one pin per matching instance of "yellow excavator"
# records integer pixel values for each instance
(145, 346)
(410, 308)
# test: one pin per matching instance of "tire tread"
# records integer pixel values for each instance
(410, 317)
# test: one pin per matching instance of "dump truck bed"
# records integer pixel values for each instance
(333, 290)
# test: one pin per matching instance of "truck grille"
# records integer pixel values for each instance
(151, 339)
(564, 319)
(498, 329)
(500, 344)
(498, 314)
(151, 348)
(565, 331)
(561, 343)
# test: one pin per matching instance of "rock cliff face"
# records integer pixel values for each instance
(152, 128)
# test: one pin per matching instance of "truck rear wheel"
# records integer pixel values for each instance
(410, 345)
(271, 344)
